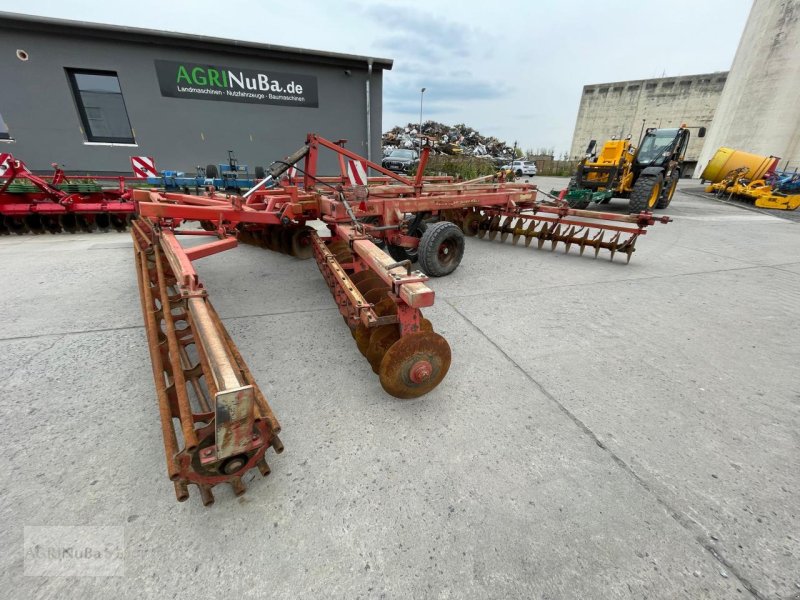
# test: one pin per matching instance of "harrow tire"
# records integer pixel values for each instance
(212, 172)
(441, 248)
(645, 193)
(669, 190)
(260, 173)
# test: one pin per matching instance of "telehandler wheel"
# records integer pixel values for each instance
(441, 248)
(669, 190)
(646, 192)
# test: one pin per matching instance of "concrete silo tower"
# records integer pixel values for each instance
(759, 110)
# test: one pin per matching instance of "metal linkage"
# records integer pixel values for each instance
(559, 224)
(206, 394)
(31, 204)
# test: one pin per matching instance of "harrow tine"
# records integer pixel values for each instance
(630, 248)
(596, 241)
(543, 233)
(569, 239)
(583, 241)
(613, 245)
(554, 237)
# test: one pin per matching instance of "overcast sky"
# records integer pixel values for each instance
(512, 69)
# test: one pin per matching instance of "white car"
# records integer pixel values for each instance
(521, 168)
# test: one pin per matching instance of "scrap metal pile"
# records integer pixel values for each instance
(33, 204)
(217, 425)
(444, 139)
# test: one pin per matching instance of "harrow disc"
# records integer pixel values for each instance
(380, 341)
(506, 228)
(493, 226)
(375, 295)
(471, 223)
(517, 231)
(414, 364)
(301, 244)
(483, 225)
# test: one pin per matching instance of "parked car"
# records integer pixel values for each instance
(521, 168)
(400, 160)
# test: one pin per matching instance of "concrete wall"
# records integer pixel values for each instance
(37, 104)
(759, 110)
(618, 109)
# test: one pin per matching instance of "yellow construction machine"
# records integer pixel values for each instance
(754, 177)
(647, 175)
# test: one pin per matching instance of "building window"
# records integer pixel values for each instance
(101, 106)
(4, 133)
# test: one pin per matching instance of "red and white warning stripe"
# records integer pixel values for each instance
(5, 160)
(143, 167)
(357, 172)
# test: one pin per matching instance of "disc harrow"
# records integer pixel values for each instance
(30, 203)
(369, 238)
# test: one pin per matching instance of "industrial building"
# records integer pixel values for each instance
(90, 96)
(626, 107)
(758, 110)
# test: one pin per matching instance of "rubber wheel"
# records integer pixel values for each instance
(212, 172)
(441, 248)
(646, 192)
(260, 173)
(519, 172)
(669, 190)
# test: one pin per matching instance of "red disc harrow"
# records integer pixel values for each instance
(375, 235)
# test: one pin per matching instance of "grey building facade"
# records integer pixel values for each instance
(90, 96)
(624, 107)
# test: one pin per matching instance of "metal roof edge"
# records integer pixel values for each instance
(173, 38)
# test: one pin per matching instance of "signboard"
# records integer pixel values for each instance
(232, 84)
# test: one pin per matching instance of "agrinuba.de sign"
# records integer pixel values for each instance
(229, 84)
